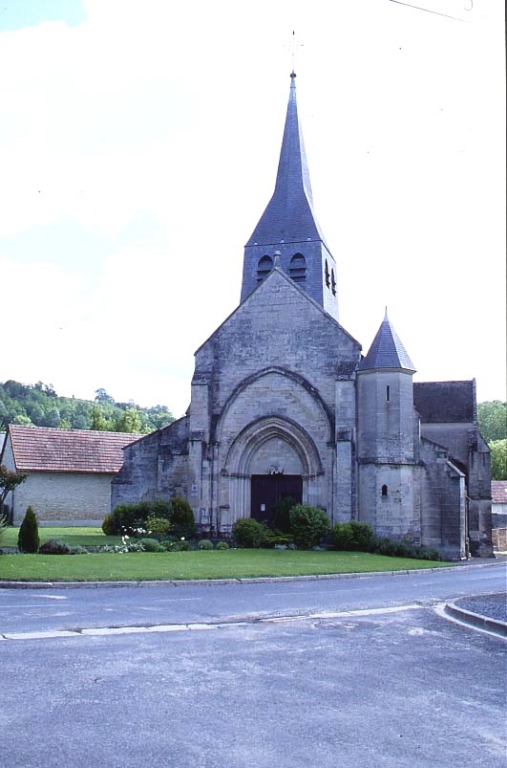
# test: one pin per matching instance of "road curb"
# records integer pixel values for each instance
(476, 620)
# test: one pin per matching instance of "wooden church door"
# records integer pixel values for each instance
(268, 490)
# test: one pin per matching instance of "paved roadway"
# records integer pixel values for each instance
(349, 672)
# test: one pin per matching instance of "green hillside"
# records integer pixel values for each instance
(41, 406)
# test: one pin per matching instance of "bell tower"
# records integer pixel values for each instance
(288, 235)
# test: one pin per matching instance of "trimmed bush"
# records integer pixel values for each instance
(249, 533)
(180, 546)
(222, 545)
(54, 547)
(133, 518)
(205, 544)
(108, 527)
(182, 518)
(353, 536)
(158, 527)
(308, 524)
(150, 545)
(380, 545)
(28, 536)
(276, 538)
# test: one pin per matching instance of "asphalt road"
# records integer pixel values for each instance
(341, 672)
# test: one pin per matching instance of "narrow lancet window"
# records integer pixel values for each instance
(264, 267)
(297, 268)
(384, 490)
(326, 272)
(333, 283)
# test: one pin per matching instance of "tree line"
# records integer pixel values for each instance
(39, 405)
(492, 418)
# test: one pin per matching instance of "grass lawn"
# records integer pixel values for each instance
(144, 566)
(84, 537)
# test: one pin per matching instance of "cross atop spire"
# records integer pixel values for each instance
(293, 46)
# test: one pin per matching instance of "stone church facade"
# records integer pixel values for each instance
(284, 404)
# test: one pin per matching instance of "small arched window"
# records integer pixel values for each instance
(297, 268)
(384, 490)
(264, 267)
(333, 283)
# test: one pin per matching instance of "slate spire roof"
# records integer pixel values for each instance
(289, 215)
(386, 351)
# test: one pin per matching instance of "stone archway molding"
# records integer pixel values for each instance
(296, 377)
(251, 438)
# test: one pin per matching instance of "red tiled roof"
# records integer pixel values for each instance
(43, 449)
(499, 491)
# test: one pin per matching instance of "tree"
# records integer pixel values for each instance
(129, 421)
(492, 418)
(498, 450)
(101, 396)
(28, 536)
(97, 419)
(159, 416)
(8, 481)
(52, 418)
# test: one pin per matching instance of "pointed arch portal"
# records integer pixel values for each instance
(271, 459)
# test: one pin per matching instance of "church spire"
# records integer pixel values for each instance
(289, 215)
(289, 224)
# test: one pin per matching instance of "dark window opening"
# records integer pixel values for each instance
(384, 490)
(388, 393)
(297, 268)
(264, 267)
(333, 283)
(326, 271)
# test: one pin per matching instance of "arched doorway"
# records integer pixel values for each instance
(267, 491)
(271, 459)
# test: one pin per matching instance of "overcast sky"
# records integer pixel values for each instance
(139, 143)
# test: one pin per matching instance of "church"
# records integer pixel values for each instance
(284, 404)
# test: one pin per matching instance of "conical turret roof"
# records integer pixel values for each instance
(387, 351)
(289, 215)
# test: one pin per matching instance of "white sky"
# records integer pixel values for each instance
(139, 148)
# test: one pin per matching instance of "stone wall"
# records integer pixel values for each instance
(63, 497)
(443, 503)
(155, 467)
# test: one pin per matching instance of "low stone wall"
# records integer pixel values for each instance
(499, 536)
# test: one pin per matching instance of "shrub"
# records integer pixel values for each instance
(205, 544)
(308, 525)
(280, 519)
(158, 527)
(353, 536)
(276, 538)
(182, 518)
(108, 527)
(398, 548)
(54, 547)
(150, 545)
(222, 545)
(4, 522)
(248, 532)
(180, 546)
(133, 518)
(28, 536)
(78, 550)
